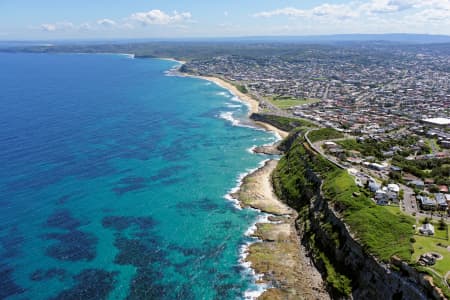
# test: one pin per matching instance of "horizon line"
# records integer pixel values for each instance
(25, 40)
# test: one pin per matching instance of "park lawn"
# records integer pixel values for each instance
(395, 210)
(288, 102)
(438, 233)
(323, 134)
(425, 244)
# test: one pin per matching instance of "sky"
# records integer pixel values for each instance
(107, 19)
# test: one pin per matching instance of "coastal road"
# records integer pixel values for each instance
(409, 200)
(318, 150)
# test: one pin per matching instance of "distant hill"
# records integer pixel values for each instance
(392, 37)
(316, 39)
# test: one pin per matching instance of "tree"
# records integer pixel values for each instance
(442, 224)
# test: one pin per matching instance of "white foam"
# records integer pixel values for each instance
(251, 149)
(228, 115)
(223, 94)
(131, 56)
(239, 181)
(256, 289)
(234, 201)
(233, 105)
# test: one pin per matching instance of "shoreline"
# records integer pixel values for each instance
(276, 258)
(280, 263)
(181, 62)
(252, 103)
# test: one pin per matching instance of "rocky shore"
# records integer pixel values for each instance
(278, 254)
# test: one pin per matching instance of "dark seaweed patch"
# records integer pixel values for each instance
(139, 253)
(167, 172)
(225, 290)
(132, 180)
(171, 181)
(8, 286)
(129, 184)
(11, 243)
(91, 284)
(73, 246)
(144, 285)
(41, 274)
(227, 224)
(204, 204)
(206, 251)
(139, 154)
(120, 223)
(176, 152)
(63, 199)
(63, 219)
(69, 197)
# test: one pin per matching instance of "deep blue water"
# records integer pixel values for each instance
(112, 177)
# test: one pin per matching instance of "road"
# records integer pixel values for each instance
(408, 204)
(320, 151)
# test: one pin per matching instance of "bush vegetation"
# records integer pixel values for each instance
(242, 89)
(438, 169)
(283, 123)
(375, 148)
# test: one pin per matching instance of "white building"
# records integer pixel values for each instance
(440, 122)
(427, 229)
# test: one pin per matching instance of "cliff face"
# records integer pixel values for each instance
(349, 270)
(370, 278)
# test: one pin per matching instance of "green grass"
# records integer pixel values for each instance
(425, 244)
(382, 231)
(288, 102)
(283, 123)
(324, 134)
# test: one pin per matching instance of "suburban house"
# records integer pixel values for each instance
(441, 201)
(426, 203)
(427, 229)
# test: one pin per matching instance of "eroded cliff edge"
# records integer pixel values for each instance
(366, 260)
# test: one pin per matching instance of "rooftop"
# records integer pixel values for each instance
(438, 121)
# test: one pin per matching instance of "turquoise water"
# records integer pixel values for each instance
(113, 177)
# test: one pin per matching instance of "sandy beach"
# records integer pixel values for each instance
(248, 99)
(279, 255)
(252, 103)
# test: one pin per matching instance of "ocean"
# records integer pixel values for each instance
(113, 181)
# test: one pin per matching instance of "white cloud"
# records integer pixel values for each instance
(333, 10)
(339, 11)
(48, 27)
(434, 9)
(158, 17)
(288, 11)
(225, 13)
(85, 26)
(60, 26)
(106, 22)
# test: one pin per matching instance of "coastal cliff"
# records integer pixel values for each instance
(345, 256)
